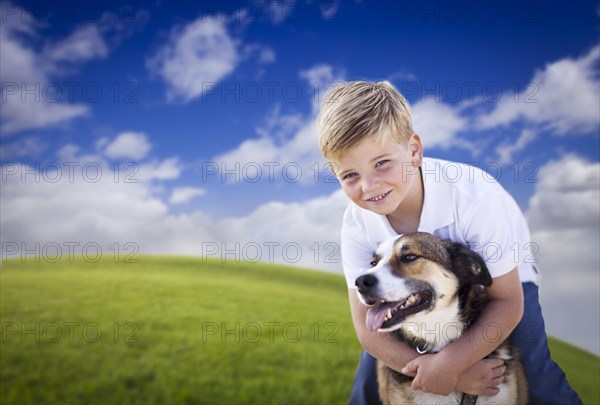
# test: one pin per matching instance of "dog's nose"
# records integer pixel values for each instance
(365, 283)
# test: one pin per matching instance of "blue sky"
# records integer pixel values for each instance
(171, 93)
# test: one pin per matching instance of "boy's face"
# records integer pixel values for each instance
(379, 176)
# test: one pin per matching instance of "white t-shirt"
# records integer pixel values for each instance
(461, 203)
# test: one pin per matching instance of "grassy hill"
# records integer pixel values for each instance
(180, 330)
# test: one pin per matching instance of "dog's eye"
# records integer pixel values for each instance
(376, 258)
(408, 258)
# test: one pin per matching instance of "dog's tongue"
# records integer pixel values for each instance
(376, 315)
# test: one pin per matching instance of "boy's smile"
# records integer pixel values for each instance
(380, 176)
(379, 198)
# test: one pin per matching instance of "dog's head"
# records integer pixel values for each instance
(414, 274)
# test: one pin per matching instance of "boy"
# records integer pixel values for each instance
(366, 135)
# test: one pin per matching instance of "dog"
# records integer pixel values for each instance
(426, 292)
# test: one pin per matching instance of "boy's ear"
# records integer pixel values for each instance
(468, 265)
(416, 149)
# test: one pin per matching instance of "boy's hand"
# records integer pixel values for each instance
(483, 378)
(434, 374)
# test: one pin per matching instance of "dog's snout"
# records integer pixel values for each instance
(365, 283)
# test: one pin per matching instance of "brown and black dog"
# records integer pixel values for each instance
(427, 292)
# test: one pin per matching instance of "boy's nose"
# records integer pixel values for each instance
(369, 183)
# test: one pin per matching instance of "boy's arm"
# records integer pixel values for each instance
(438, 373)
(383, 346)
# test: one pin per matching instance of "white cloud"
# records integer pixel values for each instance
(199, 54)
(102, 212)
(32, 146)
(167, 169)
(267, 55)
(319, 74)
(564, 218)
(83, 44)
(438, 124)
(286, 139)
(262, 53)
(280, 11)
(185, 194)
(323, 78)
(507, 150)
(105, 210)
(26, 105)
(250, 151)
(564, 98)
(29, 92)
(202, 53)
(68, 152)
(401, 75)
(567, 196)
(279, 126)
(132, 145)
(328, 11)
(311, 228)
(569, 288)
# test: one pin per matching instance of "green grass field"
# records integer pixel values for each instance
(171, 330)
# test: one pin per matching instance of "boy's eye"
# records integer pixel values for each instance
(349, 175)
(381, 163)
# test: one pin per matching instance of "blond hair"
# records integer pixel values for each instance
(356, 110)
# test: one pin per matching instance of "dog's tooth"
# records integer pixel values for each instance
(389, 313)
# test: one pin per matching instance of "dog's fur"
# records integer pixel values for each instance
(440, 285)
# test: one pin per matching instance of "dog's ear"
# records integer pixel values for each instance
(468, 265)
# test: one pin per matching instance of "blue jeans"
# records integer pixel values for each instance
(546, 381)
